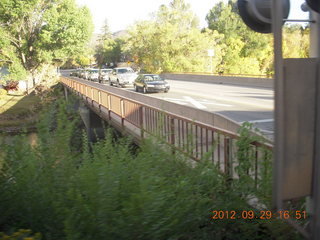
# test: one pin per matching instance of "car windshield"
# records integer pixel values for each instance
(106, 70)
(150, 78)
(94, 71)
(125, 70)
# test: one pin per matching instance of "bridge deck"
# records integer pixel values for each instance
(191, 131)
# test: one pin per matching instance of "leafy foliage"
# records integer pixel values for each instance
(171, 41)
(245, 51)
(248, 164)
(110, 190)
(39, 32)
(296, 41)
(21, 234)
(109, 49)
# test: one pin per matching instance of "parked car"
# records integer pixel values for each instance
(151, 83)
(123, 76)
(75, 73)
(104, 75)
(93, 75)
(81, 73)
(86, 74)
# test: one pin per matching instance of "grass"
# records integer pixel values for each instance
(19, 111)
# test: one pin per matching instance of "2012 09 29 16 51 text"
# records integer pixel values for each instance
(262, 214)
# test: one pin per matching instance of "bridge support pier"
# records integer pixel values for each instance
(92, 122)
(65, 92)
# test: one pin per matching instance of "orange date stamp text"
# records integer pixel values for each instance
(261, 215)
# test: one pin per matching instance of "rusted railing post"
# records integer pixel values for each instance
(256, 168)
(122, 110)
(99, 100)
(172, 135)
(226, 155)
(141, 121)
(109, 106)
(91, 96)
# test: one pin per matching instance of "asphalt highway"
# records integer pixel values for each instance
(238, 103)
(241, 104)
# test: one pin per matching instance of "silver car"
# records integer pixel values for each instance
(93, 75)
(123, 76)
(104, 75)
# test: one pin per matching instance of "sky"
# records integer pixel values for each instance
(120, 14)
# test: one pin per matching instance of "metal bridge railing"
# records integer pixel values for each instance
(193, 138)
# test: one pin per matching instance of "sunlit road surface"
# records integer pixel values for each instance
(238, 103)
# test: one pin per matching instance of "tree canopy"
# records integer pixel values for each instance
(171, 41)
(37, 32)
(108, 49)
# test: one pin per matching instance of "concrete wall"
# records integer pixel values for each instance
(243, 81)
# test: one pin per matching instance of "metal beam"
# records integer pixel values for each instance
(277, 22)
(315, 52)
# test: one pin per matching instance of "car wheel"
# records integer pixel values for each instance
(144, 90)
(167, 90)
(136, 88)
(110, 82)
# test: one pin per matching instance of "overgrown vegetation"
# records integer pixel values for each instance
(18, 111)
(254, 171)
(21, 234)
(67, 188)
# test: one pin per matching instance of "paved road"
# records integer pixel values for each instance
(238, 103)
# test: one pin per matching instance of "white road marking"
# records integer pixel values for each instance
(266, 131)
(204, 101)
(179, 102)
(261, 121)
(173, 99)
(194, 102)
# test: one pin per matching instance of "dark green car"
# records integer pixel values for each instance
(150, 83)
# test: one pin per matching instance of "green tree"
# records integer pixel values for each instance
(38, 32)
(172, 42)
(242, 45)
(295, 41)
(108, 49)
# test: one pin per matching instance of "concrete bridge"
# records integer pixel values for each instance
(184, 129)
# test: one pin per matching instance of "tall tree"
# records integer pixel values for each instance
(171, 41)
(296, 41)
(108, 49)
(242, 44)
(105, 31)
(37, 32)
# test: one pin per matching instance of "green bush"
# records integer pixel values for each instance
(66, 188)
(21, 234)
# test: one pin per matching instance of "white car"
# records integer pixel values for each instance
(93, 75)
(104, 75)
(123, 76)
